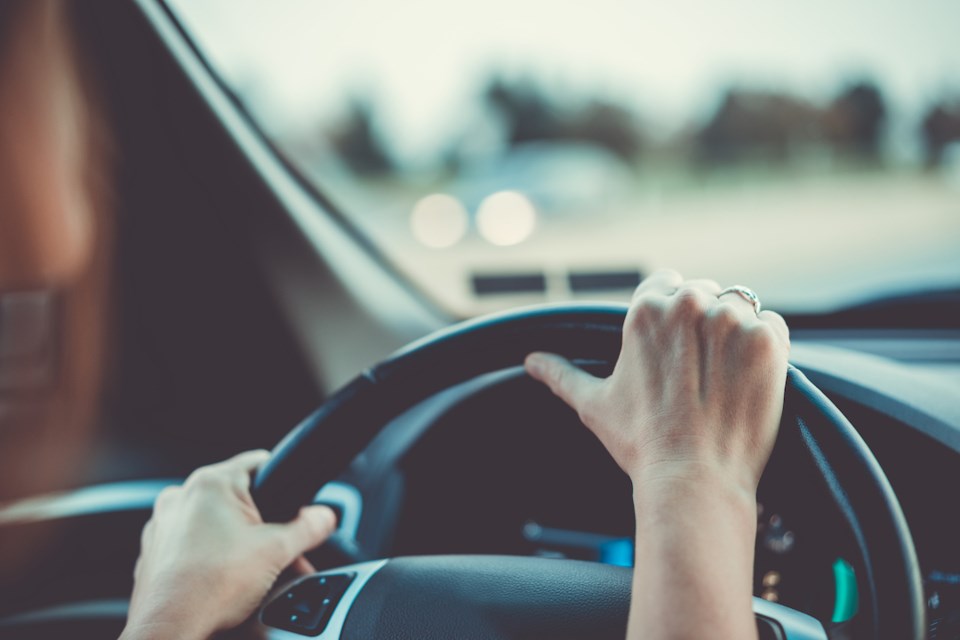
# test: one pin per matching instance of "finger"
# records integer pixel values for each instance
(241, 467)
(248, 461)
(302, 567)
(663, 281)
(574, 386)
(776, 321)
(697, 295)
(311, 528)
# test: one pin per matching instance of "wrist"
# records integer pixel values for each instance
(159, 630)
(695, 531)
(165, 624)
(672, 485)
(703, 471)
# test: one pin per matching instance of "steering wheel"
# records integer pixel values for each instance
(508, 598)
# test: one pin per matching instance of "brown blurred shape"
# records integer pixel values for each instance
(55, 234)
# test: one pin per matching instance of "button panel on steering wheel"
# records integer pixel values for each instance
(306, 607)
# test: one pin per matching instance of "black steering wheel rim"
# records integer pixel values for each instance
(323, 445)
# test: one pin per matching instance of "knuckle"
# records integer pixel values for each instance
(688, 303)
(206, 479)
(724, 317)
(761, 341)
(776, 320)
(647, 310)
(165, 497)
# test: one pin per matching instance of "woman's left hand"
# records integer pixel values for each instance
(207, 559)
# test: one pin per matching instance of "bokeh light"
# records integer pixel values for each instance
(506, 218)
(439, 220)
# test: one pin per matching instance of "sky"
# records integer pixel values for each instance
(424, 61)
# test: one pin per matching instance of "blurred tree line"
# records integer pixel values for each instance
(941, 127)
(772, 126)
(769, 127)
(529, 114)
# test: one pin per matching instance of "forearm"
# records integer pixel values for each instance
(694, 559)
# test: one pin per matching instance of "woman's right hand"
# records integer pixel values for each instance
(690, 413)
(698, 386)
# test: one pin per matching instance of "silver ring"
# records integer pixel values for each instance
(746, 293)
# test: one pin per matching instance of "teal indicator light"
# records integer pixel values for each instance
(617, 552)
(847, 595)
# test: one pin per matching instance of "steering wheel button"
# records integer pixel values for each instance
(306, 607)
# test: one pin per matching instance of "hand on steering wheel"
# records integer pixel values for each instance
(699, 383)
(690, 413)
(207, 559)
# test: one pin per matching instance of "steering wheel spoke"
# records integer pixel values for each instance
(778, 622)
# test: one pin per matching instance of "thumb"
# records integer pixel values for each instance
(574, 386)
(311, 528)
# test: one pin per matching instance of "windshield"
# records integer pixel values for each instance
(515, 151)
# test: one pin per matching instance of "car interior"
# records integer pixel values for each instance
(248, 310)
